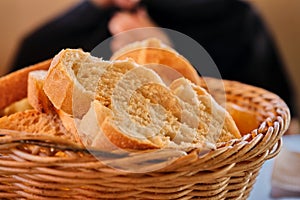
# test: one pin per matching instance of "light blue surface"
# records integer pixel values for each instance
(292, 143)
(262, 187)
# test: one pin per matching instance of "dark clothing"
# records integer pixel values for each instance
(230, 31)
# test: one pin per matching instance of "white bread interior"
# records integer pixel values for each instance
(211, 117)
(72, 79)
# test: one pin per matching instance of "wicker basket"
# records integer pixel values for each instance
(47, 168)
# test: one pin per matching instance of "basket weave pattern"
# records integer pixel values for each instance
(47, 168)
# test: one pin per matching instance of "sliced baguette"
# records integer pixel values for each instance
(72, 80)
(120, 104)
(132, 123)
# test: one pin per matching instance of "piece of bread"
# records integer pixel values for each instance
(17, 106)
(36, 95)
(72, 80)
(152, 53)
(40, 101)
(212, 118)
(35, 122)
(150, 42)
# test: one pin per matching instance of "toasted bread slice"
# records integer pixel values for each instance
(35, 122)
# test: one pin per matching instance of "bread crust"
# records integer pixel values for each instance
(35, 122)
(153, 51)
(70, 125)
(61, 85)
(36, 95)
(244, 119)
(123, 141)
(13, 86)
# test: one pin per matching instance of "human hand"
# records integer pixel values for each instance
(125, 21)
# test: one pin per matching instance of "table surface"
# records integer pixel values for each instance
(262, 187)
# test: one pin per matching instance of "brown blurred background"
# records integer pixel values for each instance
(17, 17)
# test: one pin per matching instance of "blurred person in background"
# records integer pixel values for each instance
(229, 30)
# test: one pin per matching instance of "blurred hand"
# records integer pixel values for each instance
(125, 21)
(123, 4)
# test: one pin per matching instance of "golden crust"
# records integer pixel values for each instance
(17, 82)
(36, 95)
(35, 122)
(70, 125)
(59, 85)
(123, 141)
(145, 54)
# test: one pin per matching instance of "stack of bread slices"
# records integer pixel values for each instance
(121, 104)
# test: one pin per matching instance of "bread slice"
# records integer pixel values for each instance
(152, 52)
(72, 79)
(36, 95)
(40, 102)
(116, 112)
(107, 81)
(145, 114)
(245, 119)
(35, 122)
(214, 122)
